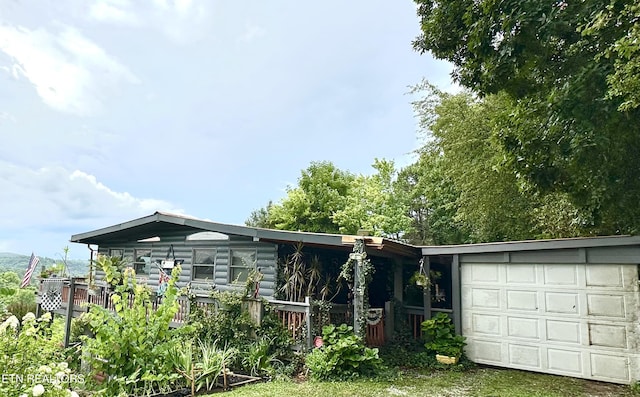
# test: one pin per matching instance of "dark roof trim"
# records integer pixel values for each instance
(126, 230)
(532, 245)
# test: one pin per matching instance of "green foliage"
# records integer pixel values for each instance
(487, 199)
(360, 285)
(571, 72)
(343, 356)
(260, 348)
(31, 350)
(200, 365)
(374, 204)
(13, 299)
(431, 197)
(303, 274)
(440, 336)
(330, 200)
(131, 344)
(113, 268)
(322, 190)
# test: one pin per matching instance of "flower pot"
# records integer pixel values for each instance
(446, 359)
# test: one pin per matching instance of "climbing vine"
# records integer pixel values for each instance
(360, 287)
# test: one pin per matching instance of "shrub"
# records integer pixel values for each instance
(260, 347)
(440, 336)
(343, 356)
(131, 344)
(32, 362)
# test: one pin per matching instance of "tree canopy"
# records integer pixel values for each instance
(570, 69)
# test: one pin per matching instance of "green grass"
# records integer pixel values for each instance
(478, 382)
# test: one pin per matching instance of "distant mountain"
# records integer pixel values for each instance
(18, 263)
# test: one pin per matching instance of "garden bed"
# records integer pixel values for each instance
(233, 381)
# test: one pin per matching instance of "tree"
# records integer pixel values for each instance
(430, 197)
(260, 217)
(373, 203)
(321, 192)
(570, 69)
(486, 199)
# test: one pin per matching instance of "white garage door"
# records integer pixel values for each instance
(576, 320)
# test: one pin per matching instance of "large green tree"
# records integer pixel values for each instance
(569, 68)
(374, 203)
(479, 197)
(321, 191)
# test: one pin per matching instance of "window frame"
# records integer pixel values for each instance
(147, 265)
(122, 251)
(194, 265)
(253, 266)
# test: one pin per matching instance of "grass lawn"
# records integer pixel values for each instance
(480, 381)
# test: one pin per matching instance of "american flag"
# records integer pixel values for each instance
(164, 277)
(33, 262)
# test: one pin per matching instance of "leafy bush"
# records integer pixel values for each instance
(260, 348)
(32, 360)
(131, 344)
(343, 356)
(440, 336)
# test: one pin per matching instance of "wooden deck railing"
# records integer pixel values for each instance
(295, 316)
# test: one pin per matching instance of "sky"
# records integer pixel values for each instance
(111, 110)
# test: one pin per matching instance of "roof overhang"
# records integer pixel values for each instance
(160, 223)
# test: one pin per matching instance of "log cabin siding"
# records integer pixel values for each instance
(266, 260)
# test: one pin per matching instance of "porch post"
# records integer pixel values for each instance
(69, 314)
(456, 301)
(358, 255)
(426, 290)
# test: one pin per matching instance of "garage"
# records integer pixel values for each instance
(566, 307)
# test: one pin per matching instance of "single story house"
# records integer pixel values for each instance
(566, 306)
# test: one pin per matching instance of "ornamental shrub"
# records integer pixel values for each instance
(343, 356)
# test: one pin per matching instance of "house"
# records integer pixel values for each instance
(222, 255)
(564, 306)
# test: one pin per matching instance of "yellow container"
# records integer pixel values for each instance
(446, 359)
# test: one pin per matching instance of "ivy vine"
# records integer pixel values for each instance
(359, 287)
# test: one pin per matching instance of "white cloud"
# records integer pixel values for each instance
(118, 11)
(70, 72)
(179, 20)
(61, 202)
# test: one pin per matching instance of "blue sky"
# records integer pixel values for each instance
(113, 109)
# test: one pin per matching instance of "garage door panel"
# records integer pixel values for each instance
(522, 300)
(562, 303)
(483, 298)
(606, 305)
(608, 335)
(485, 351)
(486, 324)
(527, 328)
(566, 275)
(604, 366)
(604, 276)
(525, 356)
(485, 273)
(522, 275)
(563, 331)
(567, 361)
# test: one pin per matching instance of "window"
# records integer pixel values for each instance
(142, 261)
(119, 253)
(242, 262)
(203, 264)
